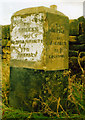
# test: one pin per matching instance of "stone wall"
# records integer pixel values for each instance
(77, 44)
(6, 42)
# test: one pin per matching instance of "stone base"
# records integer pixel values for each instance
(29, 87)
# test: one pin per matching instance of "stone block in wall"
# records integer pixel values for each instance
(81, 39)
(6, 32)
(72, 39)
(4, 42)
(73, 53)
(74, 66)
(81, 21)
(74, 28)
(77, 47)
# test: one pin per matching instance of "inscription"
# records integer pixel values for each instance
(57, 42)
(27, 37)
(56, 56)
(55, 27)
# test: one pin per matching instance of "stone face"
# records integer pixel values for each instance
(73, 53)
(72, 39)
(74, 28)
(27, 37)
(81, 39)
(77, 47)
(57, 42)
(74, 66)
(6, 32)
(39, 40)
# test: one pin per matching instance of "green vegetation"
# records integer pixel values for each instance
(16, 114)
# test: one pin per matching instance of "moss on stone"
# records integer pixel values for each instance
(28, 84)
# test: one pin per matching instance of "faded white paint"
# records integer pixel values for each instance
(27, 30)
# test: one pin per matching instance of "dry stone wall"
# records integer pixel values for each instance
(77, 45)
(5, 43)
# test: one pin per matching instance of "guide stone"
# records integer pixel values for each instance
(39, 55)
(39, 39)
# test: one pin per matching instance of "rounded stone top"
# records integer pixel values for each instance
(41, 9)
(54, 7)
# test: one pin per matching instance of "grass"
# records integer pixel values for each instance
(11, 113)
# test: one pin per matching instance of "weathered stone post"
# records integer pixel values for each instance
(39, 55)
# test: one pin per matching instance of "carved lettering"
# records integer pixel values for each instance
(56, 28)
(56, 56)
(27, 37)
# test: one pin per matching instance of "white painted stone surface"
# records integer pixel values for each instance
(27, 37)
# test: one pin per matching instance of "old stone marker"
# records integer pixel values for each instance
(39, 54)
